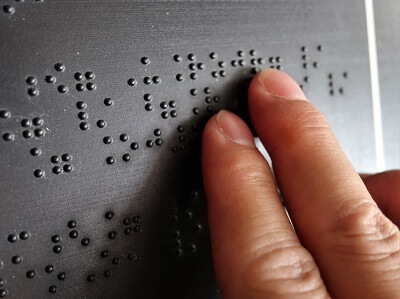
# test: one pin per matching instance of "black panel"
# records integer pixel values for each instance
(102, 108)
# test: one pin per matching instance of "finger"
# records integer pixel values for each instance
(355, 246)
(385, 190)
(255, 250)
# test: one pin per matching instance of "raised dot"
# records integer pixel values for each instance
(149, 143)
(124, 137)
(115, 261)
(31, 274)
(145, 60)
(5, 114)
(57, 169)
(84, 126)
(345, 75)
(80, 87)
(91, 86)
(68, 168)
(72, 224)
(222, 73)
(172, 104)
(165, 114)
(61, 276)
(208, 99)
(49, 268)
(315, 64)
(90, 278)
(260, 61)
(147, 80)
(214, 74)
(180, 129)
(110, 160)
(221, 64)
(24, 235)
(112, 235)
(164, 105)
(213, 55)
(177, 58)
(107, 273)
(193, 91)
(126, 221)
(109, 215)
(39, 132)
(158, 141)
(253, 61)
(179, 77)
(8, 9)
(17, 259)
(136, 219)
(252, 52)
(242, 62)
(52, 289)
(240, 53)
(78, 76)
(137, 229)
(191, 57)
(148, 107)
(319, 48)
(306, 79)
(50, 79)
(192, 66)
(27, 134)
(85, 242)
(3, 293)
(81, 105)
(209, 109)
(108, 102)
(134, 146)
(192, 248)
(147, 97)
(197, 228)
(33, 92)
(73, 234)
(107, 140)
(127, 231)
(31, 80)
(200, 66)
(2, 282)
(12, 238)
(132, 82)
(59, 67)
(341, 91)
(101, 123)
(193, 76)
(216, 99)
(304, 49)
(62, 89)
(195, 110)
(55, 238)
(132, 256)
(173, 113)
(305, 65)
(83, 115)
(35, 151)
(234, 62)
(66, 157)
(57, 249)
(89, 75)
(104, 253)
(38, 173)
(37, 121)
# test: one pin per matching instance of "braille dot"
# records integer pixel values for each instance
(177, 242)
(62, 89)
(132, 82)
(195, 110)
(8, 9)
(145, 60)
(124, 137)
(83, 115)
(216, 99)
(91, 86)
(35, 151)
(147, 97)
(332, 92)
(315, 64)
(164, 105)
(191, 57)
(193, 91)
(207, 90)
(127, 231)
(304, 49)
(112, 235)
(17, 259)
(191, 248)
(193, 76)
(37, 121)
(306, 79)
(2, 282)
(252, 52)
(109, 215)
(136, 219)
(165, 114)
(59, 67)
(147, 80)
(57, 169)
(345, 75)
(68, 168)
(27, 134)
(240, 53)
(158, 141)
(24, 235)
(319, 48)
(107, 140)
(115, 261)
(197, 228)
(5, 114)
(179, 77)
(182, 138)
(110, 160)
(80, 87)
(209, 109)
(234, 62)
(126, 221)
(132, 256)
(81, 105)
(72, 224)
(305, 65)
(272, 60)
(341, 91)
(12, 238)
(149, 143)
(101, 123)
(200, 66)
(260, 61)
(55, 238)
(61, 276)
(157, 132)
(33, 92)
(134, 146)
(108, 102)
(85, 242)
(177, 58)
(39, 132)
(180, 129)
(78, 76)
(192, 66)
(73, 234)
(57, 249)
(137, 228)
(50, 79)
(38, 173)
(3, 293)
(242, 62)
(278, 59)
(49, 268)
(89, 75)
(31, 80)
(52, 289)
(107, 273)
(31, 274)
(222, 73)
(172, 104)
(104, 253)
(213, 55)
(90, 278)
(84, 126)
(156, 79)
(253, 61)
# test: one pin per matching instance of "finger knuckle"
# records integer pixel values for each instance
(283, 271)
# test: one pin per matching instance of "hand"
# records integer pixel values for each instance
(342, 245)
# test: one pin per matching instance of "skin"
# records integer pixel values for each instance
(345, 242)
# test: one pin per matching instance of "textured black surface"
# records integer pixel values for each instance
(102, 105)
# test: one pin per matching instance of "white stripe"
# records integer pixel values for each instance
(376, 96)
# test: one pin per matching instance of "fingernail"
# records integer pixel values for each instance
(234, 128)
(280, 84)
